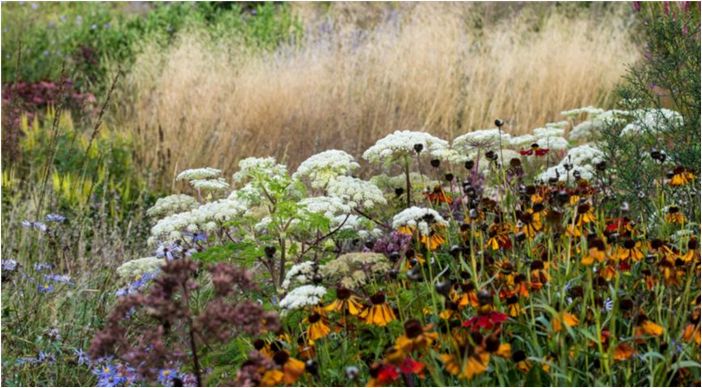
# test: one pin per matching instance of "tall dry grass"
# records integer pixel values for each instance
(422, 67)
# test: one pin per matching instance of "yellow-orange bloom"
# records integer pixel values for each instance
(416, 337)
(345, 302)
(596, 252)
(680, 176)
(623, 352)
(379, 314)
(318, 328)
(566, 318)
(630, 250)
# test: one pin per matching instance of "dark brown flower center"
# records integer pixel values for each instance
(378, 298)
(413, 328)
(343, 293)
(315, 317)
(281, 357)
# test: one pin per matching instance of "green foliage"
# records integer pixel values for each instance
(667, 78)
(79, 163)
(39, 39)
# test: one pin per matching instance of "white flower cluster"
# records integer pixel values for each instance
(551, 138)
(589, 110)
(301, 273)
(597, 120)
(202, 218)
(355, 269)
(259, 167)
(199, 173)
(559, 124)
(302, 296)
(418, 217)
(451, 155)
(522, 141)
(356, 192)
(214, 185)
(362, 225)
(329, 206)
(204, 179)
(654, 120)
(172, 204)
(583, 160)
(402, 143)
(483, 138)
(135, 268)
(325, 166)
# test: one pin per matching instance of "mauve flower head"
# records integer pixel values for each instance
(250, 373)
(226, 276)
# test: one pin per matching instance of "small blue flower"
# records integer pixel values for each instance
(39, 267)
(45, 288)
(65, 279)
(35, 5)
(55, 217)
(168, 251)
(46, 357)
(83, 358)
(166, 376)
(35, 225)
(608, 304)
(9, 265)
(106, 26)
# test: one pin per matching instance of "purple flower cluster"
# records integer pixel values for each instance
(396, 242)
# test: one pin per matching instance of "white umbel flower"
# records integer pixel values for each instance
(558, 124)
(583, 159)
(401, 143)
(203, 218)
(172, 204)
(522, 141)
(199, 173)
(418, 217)
(589, 110)
(652, 120)
(548, 132)
(483, 138)
(135, 268)
(259, 167)
(590, 129)
(302, 296)
(301, 273)
(329, 206)
(210, 185)
(356, 192)
(325, 166)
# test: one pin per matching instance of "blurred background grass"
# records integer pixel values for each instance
(209, 83)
